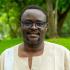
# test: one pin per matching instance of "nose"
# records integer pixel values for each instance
(33, 26)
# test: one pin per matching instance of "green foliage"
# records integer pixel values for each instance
(66, 27)
(10, 11)
(9, 14)
(63, 5)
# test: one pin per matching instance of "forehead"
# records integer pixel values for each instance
(33, 14)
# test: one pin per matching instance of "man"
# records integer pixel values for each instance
(35, 54)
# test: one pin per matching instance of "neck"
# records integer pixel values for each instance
(33, 48)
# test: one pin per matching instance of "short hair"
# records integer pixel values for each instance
(35, 7)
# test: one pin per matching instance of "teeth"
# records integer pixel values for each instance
(32, 33)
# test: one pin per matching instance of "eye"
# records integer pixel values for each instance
(27, 22)
(40, 23)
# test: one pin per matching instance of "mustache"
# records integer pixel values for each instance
(33, 33)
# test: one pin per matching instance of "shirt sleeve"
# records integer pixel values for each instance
(67, 60)
(0, 62)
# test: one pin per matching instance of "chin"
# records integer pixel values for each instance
(33, 42)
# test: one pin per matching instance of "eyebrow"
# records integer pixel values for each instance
(32, 20)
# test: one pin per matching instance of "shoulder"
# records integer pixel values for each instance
(7, 54)
(57, 47)
(8, 50)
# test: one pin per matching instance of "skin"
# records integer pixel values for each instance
(33, 36)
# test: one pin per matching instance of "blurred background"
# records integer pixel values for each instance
(58, 19)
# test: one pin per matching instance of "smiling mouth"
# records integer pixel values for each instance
(32, 33)
(33, 36)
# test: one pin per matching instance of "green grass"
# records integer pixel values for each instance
(8, 43)
(62, 41)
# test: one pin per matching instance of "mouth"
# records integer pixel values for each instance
(33, 36)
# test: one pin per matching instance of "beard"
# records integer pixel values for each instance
(33, 40)
(33, 44)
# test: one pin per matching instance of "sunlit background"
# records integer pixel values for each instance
(58, 18)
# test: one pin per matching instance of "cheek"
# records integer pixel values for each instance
(23, 29)
(43, 32)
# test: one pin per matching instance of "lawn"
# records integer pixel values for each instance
(8, 43)
(62, 41)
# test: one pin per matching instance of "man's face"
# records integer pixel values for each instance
(33, 24)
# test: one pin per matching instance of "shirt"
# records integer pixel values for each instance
(54, 57)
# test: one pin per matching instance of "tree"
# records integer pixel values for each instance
(64, 8)
(52, 17)
(57, 12)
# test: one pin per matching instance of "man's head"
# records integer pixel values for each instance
(34, 25)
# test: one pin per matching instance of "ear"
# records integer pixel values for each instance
(46, 29)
